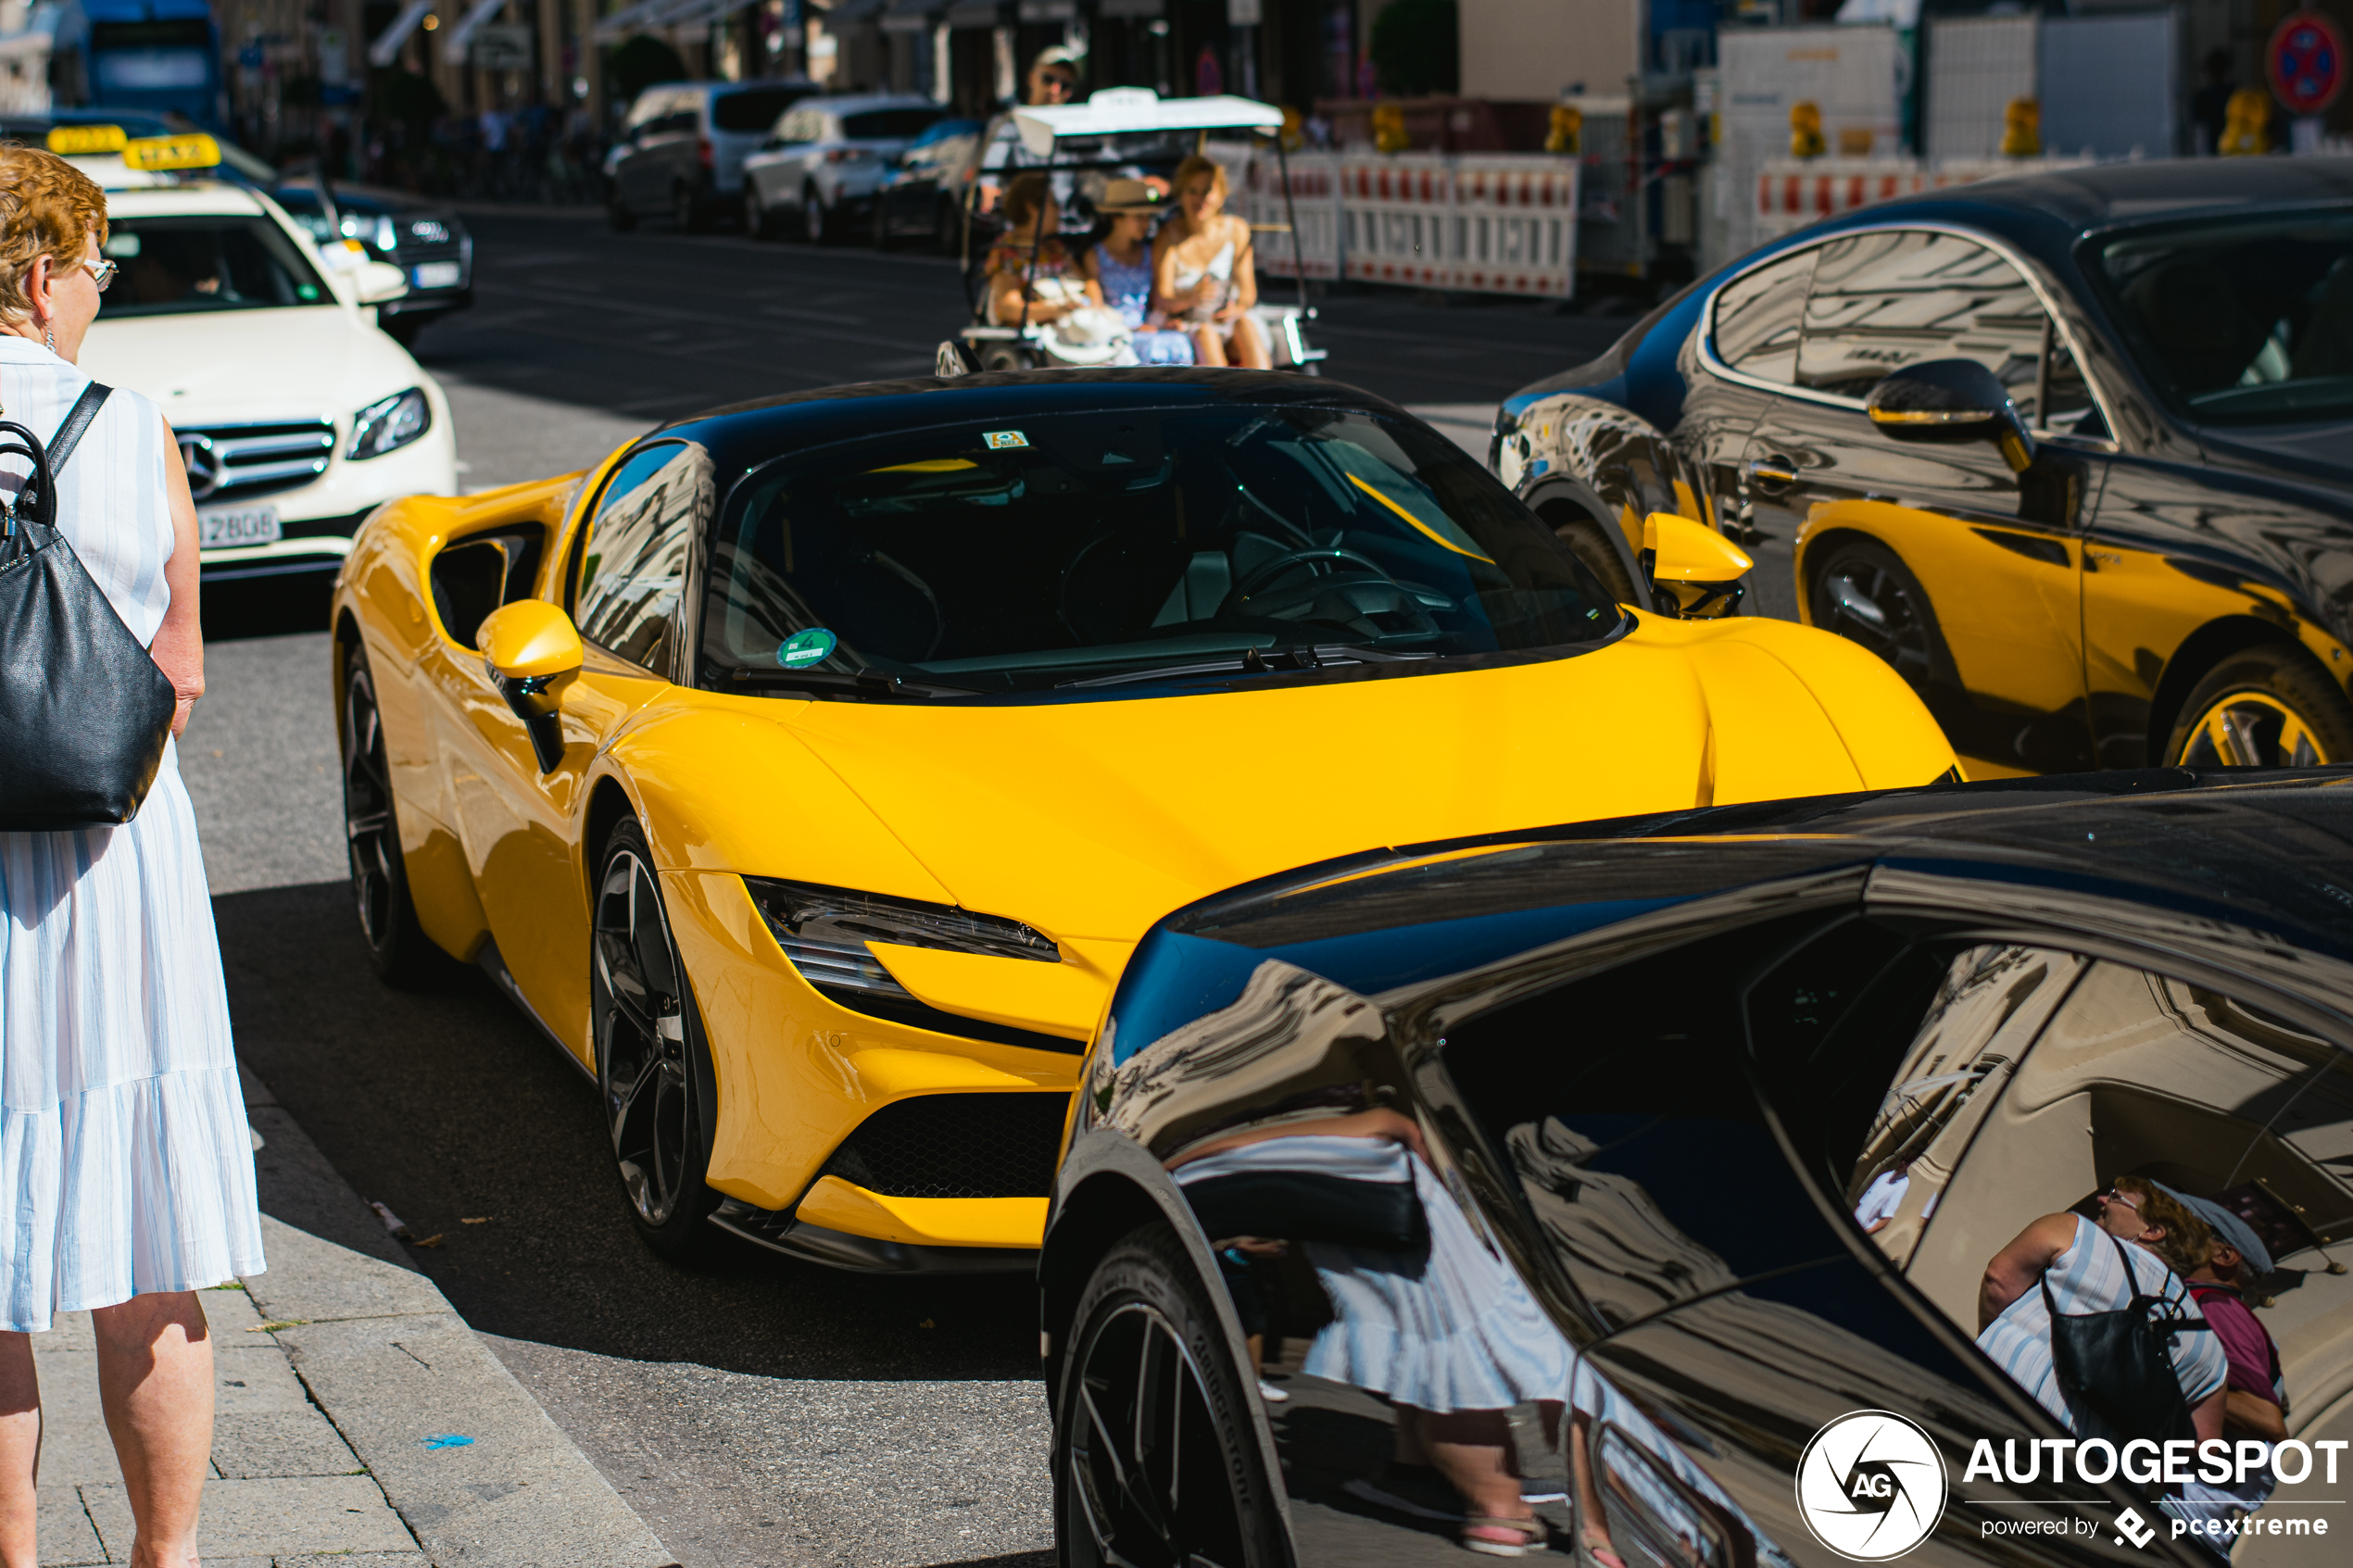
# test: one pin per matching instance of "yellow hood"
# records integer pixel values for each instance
(1090, 820)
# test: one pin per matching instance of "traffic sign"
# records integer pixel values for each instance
(2305, 62)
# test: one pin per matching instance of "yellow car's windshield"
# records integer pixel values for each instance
(1104, 549)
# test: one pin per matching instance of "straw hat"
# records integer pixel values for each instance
(1131, 195)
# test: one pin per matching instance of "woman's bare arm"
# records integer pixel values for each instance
(1245, 274)
(178, 650)
(2014, 1270)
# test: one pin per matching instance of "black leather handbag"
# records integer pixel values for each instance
(84, 714)
(2118, 1367)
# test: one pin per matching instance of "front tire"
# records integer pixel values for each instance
(1593, 552)
(816, 218)
(1156, 1461)
(2266, 707)
(759, 222)
(398, 950)
(1865, 594)
(649, 1051)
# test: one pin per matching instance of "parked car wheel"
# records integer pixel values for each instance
(618, 215)
(816, 218)
(884, 238)
(1589, 545)
(398, 948)
(948, 228)
(2265, 707)
(1155, 1459)
(1865, 595)
(690, 208)
(759, 221)
(649, 1047)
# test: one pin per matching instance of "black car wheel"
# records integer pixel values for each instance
(1863, 593)
(398, 948)
(617, 213)
(1593, 549)
(884, 238)
(759, 220)
(948, 228)
(2265, 707)
(1156, 1464)
(816, 219)
(689, 209)
(648, 1051)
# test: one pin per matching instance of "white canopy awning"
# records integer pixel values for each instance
(1129, 111)
(453, 48)
(386, 47)
(648, 15)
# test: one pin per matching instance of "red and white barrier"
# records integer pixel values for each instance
(1793, 193)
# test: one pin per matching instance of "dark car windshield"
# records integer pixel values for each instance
(755, 108)
(2242, 322)
(172, 265)
(886, 125)
(1042, 549)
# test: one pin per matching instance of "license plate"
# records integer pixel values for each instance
(251, 525)
(437, 275)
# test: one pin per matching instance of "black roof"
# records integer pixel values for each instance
(2267, 849)
(741, 434)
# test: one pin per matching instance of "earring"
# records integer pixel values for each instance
(48, 340)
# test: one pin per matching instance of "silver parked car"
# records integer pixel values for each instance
(681, 147)
(826, 161)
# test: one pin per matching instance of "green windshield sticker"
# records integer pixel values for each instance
(999, 439)
(804, 648)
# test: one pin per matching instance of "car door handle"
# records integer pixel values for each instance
(1771, 473)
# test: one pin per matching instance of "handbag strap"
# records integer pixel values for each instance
(85, 408)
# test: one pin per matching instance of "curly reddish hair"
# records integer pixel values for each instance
(47, 207)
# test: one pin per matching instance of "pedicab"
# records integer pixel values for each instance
(1118, 132)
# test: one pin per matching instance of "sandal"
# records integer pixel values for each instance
(1598, 1548)
(1494, 1537)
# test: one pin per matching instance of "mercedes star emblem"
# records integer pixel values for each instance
(203, 465)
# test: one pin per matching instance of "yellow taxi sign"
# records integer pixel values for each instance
(154, 155)
(70, 141)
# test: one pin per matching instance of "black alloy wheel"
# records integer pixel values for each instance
(817, 220)
(398, 950)
(1863, 593)
(2270, 707)
(648, 1051)
(1156, 1460)
(759, 222)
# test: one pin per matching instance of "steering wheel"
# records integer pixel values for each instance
(1332, 587)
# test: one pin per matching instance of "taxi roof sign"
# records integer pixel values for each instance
(67, 141)
(153, 155)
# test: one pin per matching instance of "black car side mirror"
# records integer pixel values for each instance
(1950, 400)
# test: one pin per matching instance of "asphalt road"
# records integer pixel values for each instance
(754, 1411)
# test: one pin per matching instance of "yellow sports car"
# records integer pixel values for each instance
(808, 770)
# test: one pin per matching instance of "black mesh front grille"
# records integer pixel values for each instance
(956, 1145)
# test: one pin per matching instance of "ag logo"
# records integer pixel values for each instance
(1871, 1485)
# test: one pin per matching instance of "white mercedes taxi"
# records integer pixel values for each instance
(296, 415)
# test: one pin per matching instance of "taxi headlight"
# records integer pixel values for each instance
(824, 931)
(390, 423)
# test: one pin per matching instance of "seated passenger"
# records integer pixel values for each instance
(2141, 1244)
(1202, 273)
(1121, 269)
(1029, 255)
(2255, 1399)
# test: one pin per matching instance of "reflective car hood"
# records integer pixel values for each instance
(1091, 820)
(2320, 448)
(245, 365)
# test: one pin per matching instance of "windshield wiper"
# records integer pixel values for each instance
(872, 683)
(1254, 662)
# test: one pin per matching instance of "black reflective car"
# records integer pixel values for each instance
(923, 196)
(426, 239)
(1698, 1192)
(2146, 556)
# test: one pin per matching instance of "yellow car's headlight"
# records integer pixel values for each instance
(824, 931)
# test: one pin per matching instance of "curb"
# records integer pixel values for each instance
(394, 1367)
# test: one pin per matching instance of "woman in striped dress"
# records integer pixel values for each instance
(2086, 1270)
(126, 1163)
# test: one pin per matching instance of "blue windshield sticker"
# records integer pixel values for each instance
(999, 439)
(804, 648)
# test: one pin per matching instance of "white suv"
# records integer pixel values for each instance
(827, 159)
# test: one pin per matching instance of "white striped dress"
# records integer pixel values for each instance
(2089, 1277)
(1461, 1334)
(126, 1166)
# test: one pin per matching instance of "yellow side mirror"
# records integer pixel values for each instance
(1693, 570)
(532, 652)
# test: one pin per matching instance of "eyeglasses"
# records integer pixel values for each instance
(2112, 1196)
(102, 272)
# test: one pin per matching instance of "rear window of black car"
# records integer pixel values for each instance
(1036, 551)
(753, 110)
(886, 125)
(2244, 321)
